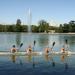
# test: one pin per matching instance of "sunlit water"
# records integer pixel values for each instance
(36, 65)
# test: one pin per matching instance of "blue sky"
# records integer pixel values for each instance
(53, 11)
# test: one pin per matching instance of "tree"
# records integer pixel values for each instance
(60, 29)
(18, 26)
(66, 28)
(18, 22)
(72, 26)
(43, 26)
(34, 28)
(11, 28)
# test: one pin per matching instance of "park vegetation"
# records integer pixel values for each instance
(43, 26)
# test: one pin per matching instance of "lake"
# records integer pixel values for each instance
(39, 65)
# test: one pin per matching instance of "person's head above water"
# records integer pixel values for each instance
(13, 46)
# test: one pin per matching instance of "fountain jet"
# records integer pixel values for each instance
(29, 21)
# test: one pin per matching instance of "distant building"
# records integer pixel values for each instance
(51, 31)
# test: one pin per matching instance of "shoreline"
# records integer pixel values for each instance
(42, 33)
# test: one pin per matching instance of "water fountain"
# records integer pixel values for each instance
(29, 21)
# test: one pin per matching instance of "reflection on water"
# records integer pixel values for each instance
(47, 57)
(31, 60)
(18, 39)
(64, 59)
(36, 65)
(29, 57)
(50, 58)
(47, 63)
(43, 40)
(66, 66)
(13, 58)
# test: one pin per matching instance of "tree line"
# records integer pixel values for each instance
(67, 27)
(43, 26)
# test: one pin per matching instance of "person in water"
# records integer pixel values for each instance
(13, 49)
(65, 47)
(29, 50)
(47, 51)
(63, 50)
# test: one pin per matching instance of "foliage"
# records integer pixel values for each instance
(18, 22)
(42, 26)
(67, 27)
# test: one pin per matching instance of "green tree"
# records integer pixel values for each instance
(34, 28)
(65, 28)
(11, 28)
(24, 28)
(43, 26)
(18, 22)
(18, 26)
(72, 26)
(60, 28)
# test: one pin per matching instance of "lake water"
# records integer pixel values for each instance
(39, 65)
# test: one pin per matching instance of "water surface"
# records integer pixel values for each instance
(39, 65)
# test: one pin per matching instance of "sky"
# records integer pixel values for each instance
(52, 11)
